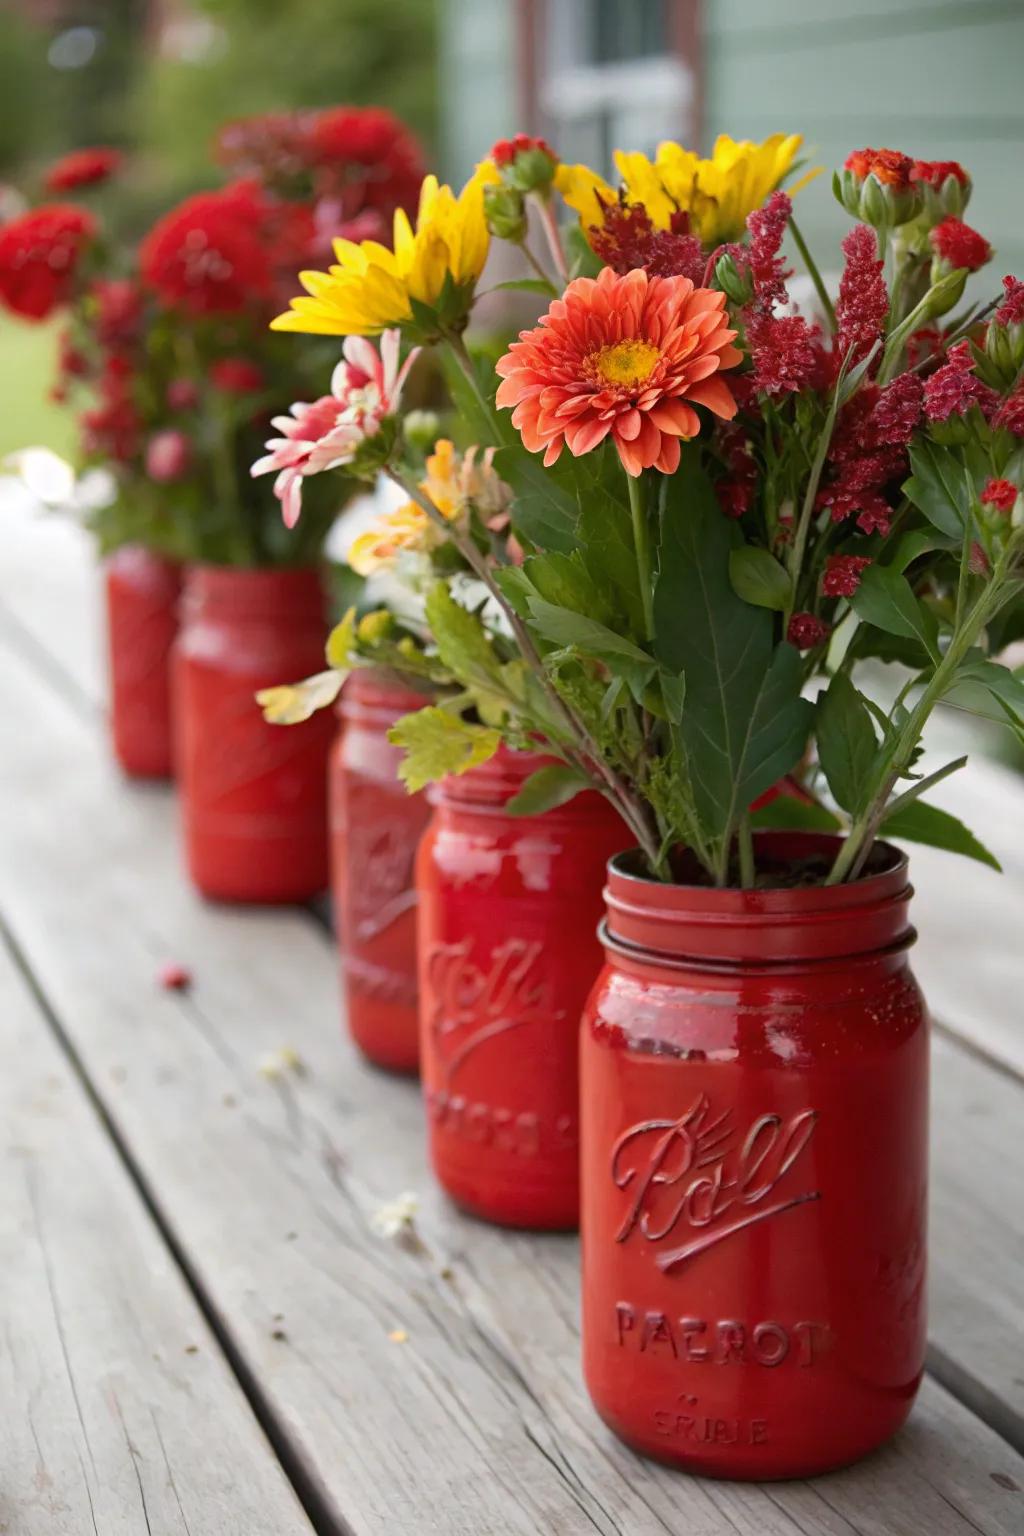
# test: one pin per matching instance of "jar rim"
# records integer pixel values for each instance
(765, 924)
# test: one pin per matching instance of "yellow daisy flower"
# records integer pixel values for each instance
(434, 266)
(717, 193)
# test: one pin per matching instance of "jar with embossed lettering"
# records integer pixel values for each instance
(253, 795)
(754, 1087)
(375, 831)
(141, 590)
(508, 913)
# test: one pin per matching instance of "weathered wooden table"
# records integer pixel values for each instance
(202, 1332)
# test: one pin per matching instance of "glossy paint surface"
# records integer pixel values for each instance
(508, 914)
(755, 1176)
(253, 795)
(142, 592)
(375, 830)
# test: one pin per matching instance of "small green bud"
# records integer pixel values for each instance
(738, 286)
(505, 212)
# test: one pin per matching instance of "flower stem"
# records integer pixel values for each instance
(549, 224)
(814, 274)
(745, 845)
(538, 268)
(585, 754)
(642, 546)
(460, 352)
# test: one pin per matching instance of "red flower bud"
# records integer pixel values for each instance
(1000, 494)
(956, 245)
(806, 631)
(526, 164)
(168, 455)
(236, 376)
(842, 575)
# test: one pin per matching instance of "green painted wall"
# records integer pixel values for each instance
(941, 81)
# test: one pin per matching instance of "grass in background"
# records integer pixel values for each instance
(28, 418)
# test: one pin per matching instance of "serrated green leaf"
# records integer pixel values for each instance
(463, 643)
(758, 578)
(847, 745)
(436, 743)
(921, 823)
(548, 787)
(886, 599)
(744, 723)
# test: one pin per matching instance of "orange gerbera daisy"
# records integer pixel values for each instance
(626, 356)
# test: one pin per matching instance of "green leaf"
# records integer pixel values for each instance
(545, 507)
(744, 723)
(566, 581)
(436, 743)
(936, 487)
(564, 627)
(604, 535)
(516, 588)
(545, 789)
(886, 599)
(910, 547)
(788, 813)
(463, 643)
(921, 823)
(847, 745)
(524, 285)
(758, 578)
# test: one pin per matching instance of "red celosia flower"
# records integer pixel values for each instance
(1011, 310)
(957, 244)
(118, 310)
(874, 514)
(207, 255)
(1001, 494)
(626, 357)
(863, 297)
(806, 631)
(842, 575)
(236, 376)
(39, 253)
(923, 345)
(897, 410)
(785, 351)
(767, 227)
(112, 428)
(888, 166)
(270, 145)
(954, 388)
(506, 150)
(1010, 414)
(628, 239)
(82, 168)
(935, 172)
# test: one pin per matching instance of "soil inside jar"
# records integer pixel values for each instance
(772, 873)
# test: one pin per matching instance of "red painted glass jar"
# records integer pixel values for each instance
(754, 1087)
(375, 830)
(142, 591)
(254, 796)
(508, 915)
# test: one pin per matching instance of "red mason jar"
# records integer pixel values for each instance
(754, 1084)
(142, 590)
(508, 914)
(375, 830)
(254, 796)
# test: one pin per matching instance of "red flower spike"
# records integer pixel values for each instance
(83, 168)
(806, 631)
(1010, 414)
(1011, 310)
(954, 388)
(842, 575)
(39, 255)
(1000, 494)
(957, 245)
(863, 297)
(628, 239)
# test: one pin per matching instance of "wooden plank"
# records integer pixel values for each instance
(120, 1413)
(476, 1419)
(977, 1247)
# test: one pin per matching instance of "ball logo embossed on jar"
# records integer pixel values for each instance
(380, 878)
(507, 992)
(701, 1180)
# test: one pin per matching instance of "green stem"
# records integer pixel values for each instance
(857, 844)
(538, 268)
(745, 844)
(799, 545)
(642, 546)
(549, 224)
(814, 274)
(460, 352)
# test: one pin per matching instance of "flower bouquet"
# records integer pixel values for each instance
(761, 542)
